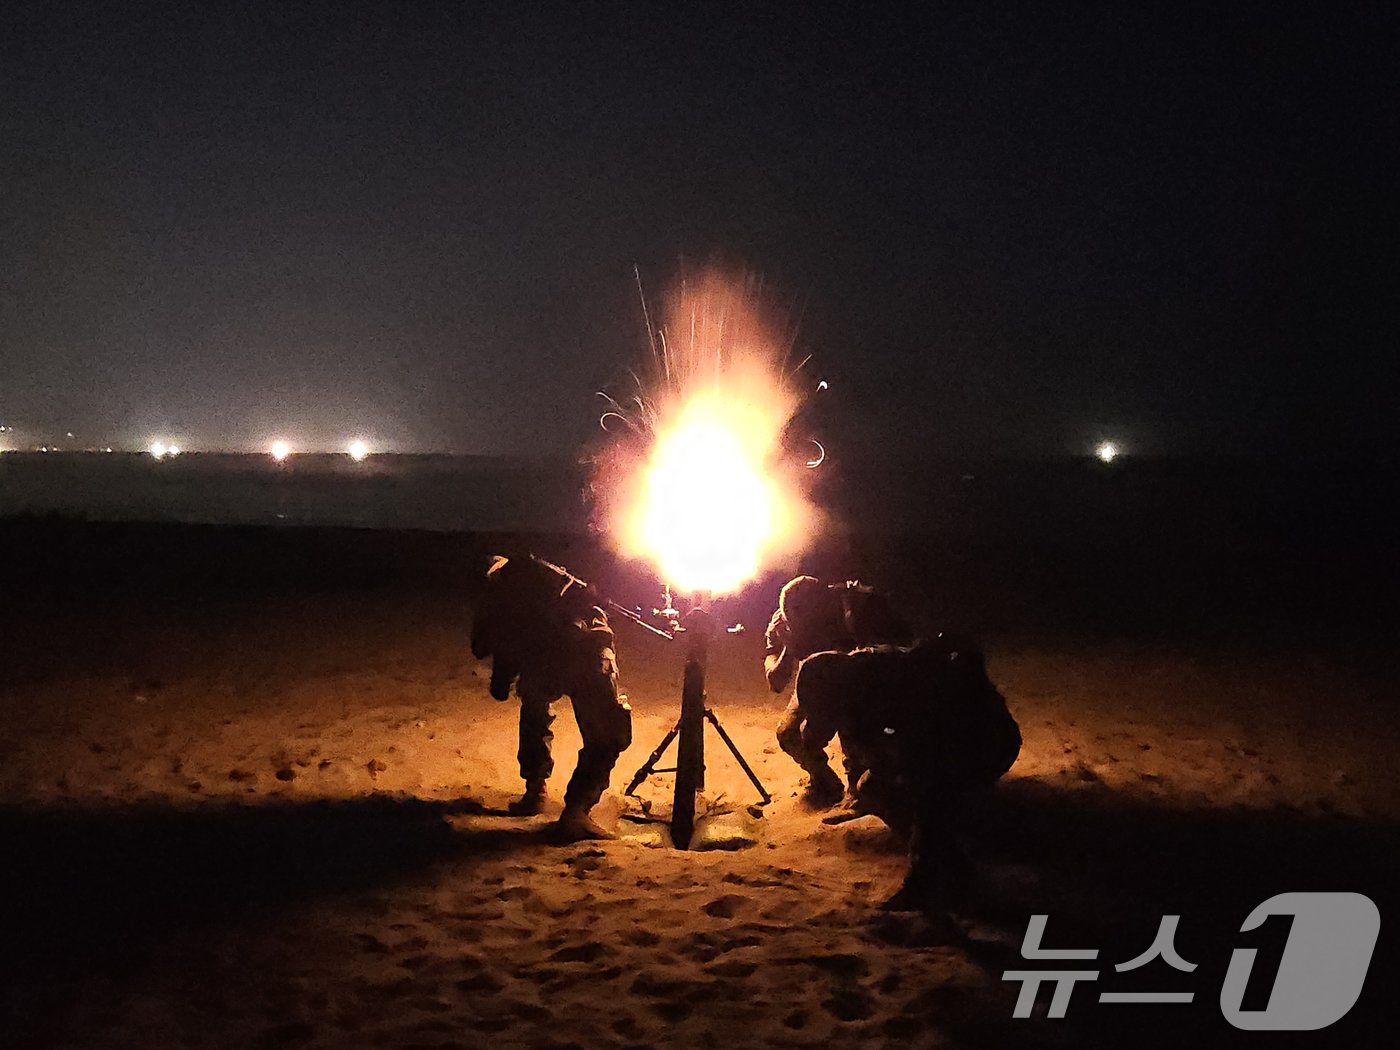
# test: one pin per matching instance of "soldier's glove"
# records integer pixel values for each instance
(503, 675)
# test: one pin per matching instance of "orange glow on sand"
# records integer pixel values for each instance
(695, 486)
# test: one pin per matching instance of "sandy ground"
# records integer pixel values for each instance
(273, 819)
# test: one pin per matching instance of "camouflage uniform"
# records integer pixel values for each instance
(544, 635)
(815, 617)
(931, 731)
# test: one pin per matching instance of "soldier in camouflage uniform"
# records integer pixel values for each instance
(931, 732)
(816, 617)
(544, 634)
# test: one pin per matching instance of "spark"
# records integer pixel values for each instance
(1107, 451)
(694, 483)
(813, 464)
(358, 450)
(616, 411)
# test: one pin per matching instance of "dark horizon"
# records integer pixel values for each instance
(1005, 233)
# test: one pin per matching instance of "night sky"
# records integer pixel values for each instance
(1010, 232)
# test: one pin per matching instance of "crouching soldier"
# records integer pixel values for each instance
(544, 634)
(933, 735)
(816, 617)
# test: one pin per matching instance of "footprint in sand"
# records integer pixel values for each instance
(726, 906)
(467, 933)
(627, 1027)
(587, 952)
(841, 965)
(652, 985)
(483, 913)
(699, 946)
(532, 1012)
(736, 968)
(730, 944)
(673, 1012)
(890, 983)
(782, 910)
(849, 1004)
(483, 981)
(736, 879)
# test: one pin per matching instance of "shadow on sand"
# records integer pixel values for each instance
(87, 889)
(91, 891)
(1105, 869)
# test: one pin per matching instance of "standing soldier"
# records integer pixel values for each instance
(545, 635)
(815, 617)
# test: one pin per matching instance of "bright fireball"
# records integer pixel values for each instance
(709, 512)
(701, 489)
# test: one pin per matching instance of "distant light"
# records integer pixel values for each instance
(69, 433)
(358, 451)
(280, 450)
(158, 449)
(173, 450)
(1107, 452)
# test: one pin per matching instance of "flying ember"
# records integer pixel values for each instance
(698, 485)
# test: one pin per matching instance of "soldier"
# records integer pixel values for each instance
(545, 635)
(932, 733)
(815, 617)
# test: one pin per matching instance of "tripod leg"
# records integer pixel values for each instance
(733, 750)
(690, 752)
(649, 766)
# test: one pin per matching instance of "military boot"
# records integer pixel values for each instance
(532, 802)
(575, 825)
(824, 789)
